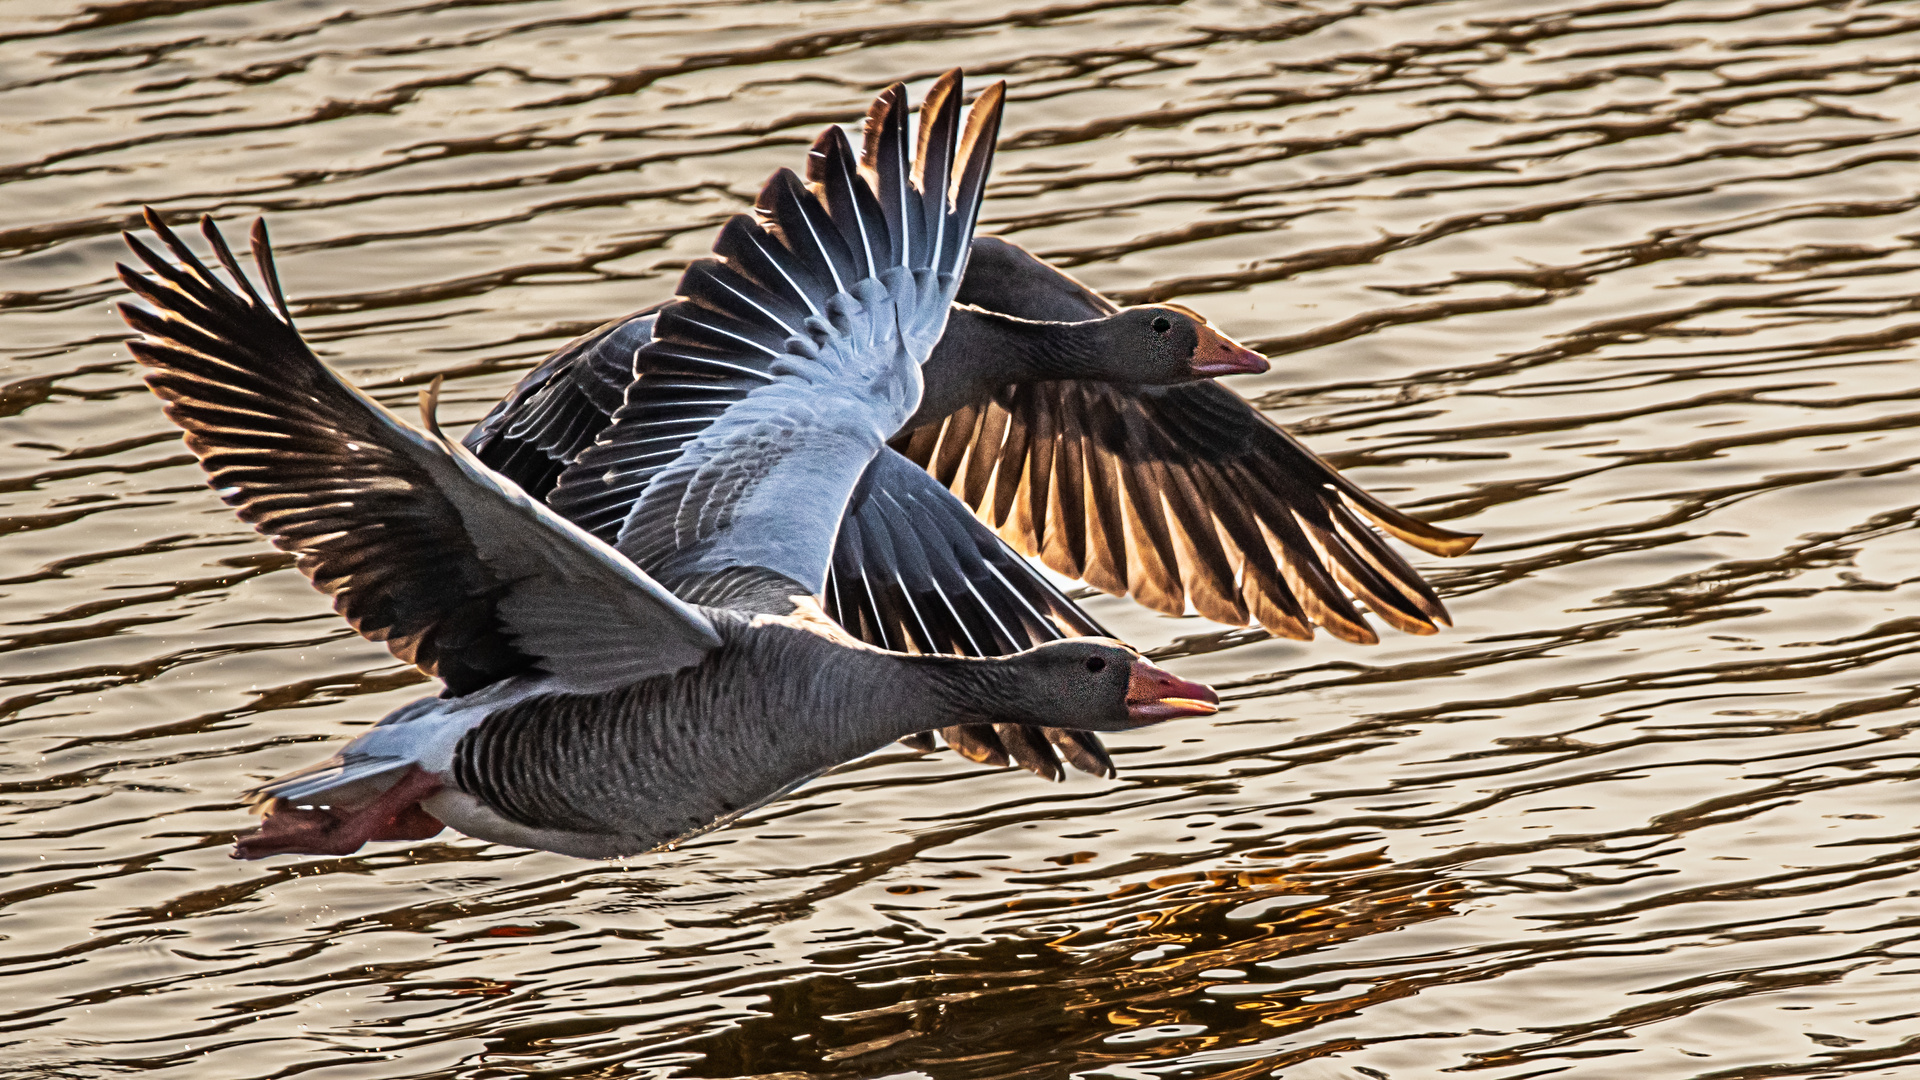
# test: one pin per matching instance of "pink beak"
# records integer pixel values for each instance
(1217, 354)
(1154, 694)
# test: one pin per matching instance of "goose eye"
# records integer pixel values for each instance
(1162, 324)
(1096, 664)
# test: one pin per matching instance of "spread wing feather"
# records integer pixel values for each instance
(786, 361)
(914, 571)
(419, 545)
(950, 585)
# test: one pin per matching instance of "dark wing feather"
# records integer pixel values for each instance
(970, 183)
(834, 176)
(914, 571)
(419, 547)
(817, 251)
(561, 406)
(962, 590)
(886, 167)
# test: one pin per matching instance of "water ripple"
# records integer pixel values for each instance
(1625, 284)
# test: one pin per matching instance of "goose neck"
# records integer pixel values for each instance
(1013, 349)
(930, 691)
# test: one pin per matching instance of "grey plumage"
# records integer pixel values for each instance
(668, 757)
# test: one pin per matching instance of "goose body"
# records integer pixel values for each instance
(588, 709)
(532, 762)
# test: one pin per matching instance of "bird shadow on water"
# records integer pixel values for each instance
(1172, 965)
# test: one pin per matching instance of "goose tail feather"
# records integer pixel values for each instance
(324, 777)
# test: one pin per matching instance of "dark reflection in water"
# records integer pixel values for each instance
(1164, 974)
(1628, 286)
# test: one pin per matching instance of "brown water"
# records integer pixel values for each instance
(1629, 286)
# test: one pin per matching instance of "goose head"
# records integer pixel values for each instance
(1098, 684)
(1162, 344)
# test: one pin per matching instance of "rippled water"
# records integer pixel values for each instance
(1628, 286)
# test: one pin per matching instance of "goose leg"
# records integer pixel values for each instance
(395, 815)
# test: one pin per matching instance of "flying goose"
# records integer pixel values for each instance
(587, 709)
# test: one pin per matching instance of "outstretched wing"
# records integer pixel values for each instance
(419, 545)
(787, 361)
(1172, 494)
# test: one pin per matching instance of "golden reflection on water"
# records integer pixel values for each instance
(1628, 286)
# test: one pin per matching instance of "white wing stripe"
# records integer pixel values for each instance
(776, 354)
(775, 259)
(821, 246)
(709, 361)
(995, 615)
(759, 307)
(1017, 595)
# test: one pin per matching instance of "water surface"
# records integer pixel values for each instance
(1629, 286)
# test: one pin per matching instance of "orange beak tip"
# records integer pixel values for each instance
(1154, 695)
(1154, 712)
(1233, 360)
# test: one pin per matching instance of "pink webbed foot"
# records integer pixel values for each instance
(395, 815)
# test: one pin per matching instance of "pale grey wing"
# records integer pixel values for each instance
(787, 361)
(419, 545)
(765, 486)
